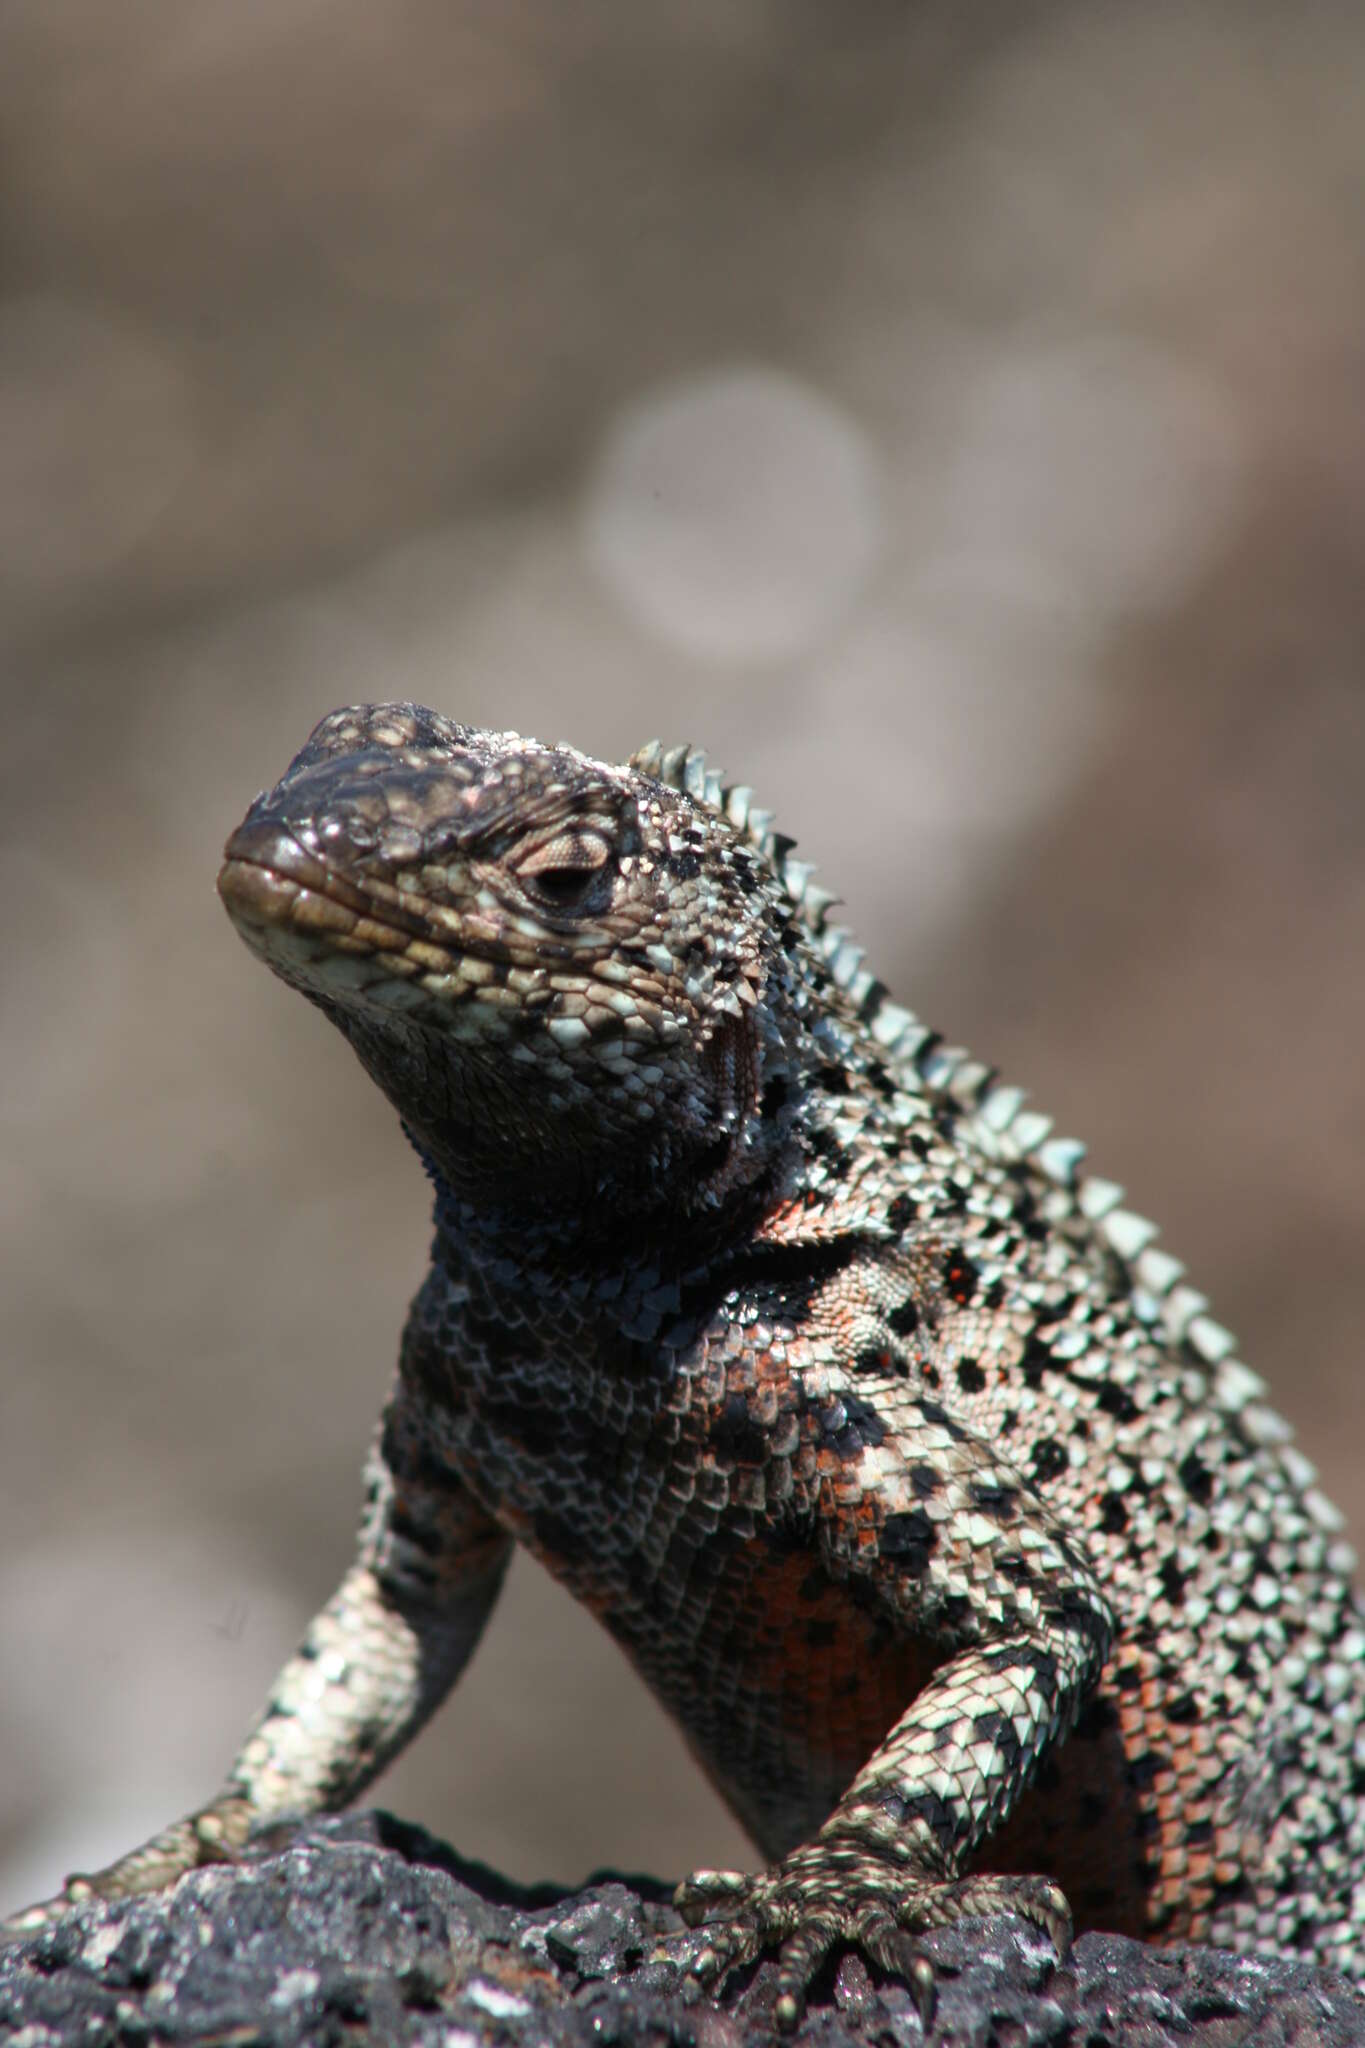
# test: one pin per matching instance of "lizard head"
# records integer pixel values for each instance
(567, 976)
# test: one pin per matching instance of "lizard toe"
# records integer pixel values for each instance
(822, 1899)
(696, 1895)
(216, 1834)
(1035, 1899)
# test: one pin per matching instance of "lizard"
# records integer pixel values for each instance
(905, 1465)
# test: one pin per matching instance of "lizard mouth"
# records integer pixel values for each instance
(314, 925)
(268, 877)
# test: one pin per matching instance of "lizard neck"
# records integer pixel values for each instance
(520, 1158)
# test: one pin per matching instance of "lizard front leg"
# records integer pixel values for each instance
(953, 1545)
(374, 1665)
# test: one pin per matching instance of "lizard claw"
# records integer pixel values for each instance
(697, 1894)
(1035, 1899)
(815, 1902)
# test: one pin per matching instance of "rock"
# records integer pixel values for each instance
(364, 1930)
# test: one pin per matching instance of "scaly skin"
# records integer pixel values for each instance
(920, 1490)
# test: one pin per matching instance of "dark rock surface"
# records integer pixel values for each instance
(365, 1930)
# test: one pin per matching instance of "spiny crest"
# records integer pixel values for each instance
(1012, 1133)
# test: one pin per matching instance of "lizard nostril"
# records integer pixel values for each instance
(266, 842)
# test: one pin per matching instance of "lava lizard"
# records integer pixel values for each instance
(906, 1468)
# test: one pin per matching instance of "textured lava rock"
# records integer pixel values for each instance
(364, 1930)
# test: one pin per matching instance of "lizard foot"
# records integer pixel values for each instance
(213, 1835)
(825, 1896)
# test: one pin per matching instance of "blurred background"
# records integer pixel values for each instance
(949, 414)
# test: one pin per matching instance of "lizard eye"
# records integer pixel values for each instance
(564, 887)
(567, 873)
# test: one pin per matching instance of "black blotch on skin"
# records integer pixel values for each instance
(970, 1377)
(910, 1539)
(954, 1609)
(1173, 1582)
(1001, 1731)
(1196, 1478)
(1072, 1608)
(774, 1096)
(864, 1419)
(928, 1808)
(992, 1499)
(901, 1212)
(1034, 1361)
(1031, 1656)
(935, 1412)
(840, 1433)
(1113, 1514)
(1026, 1217)
(1049, 1459)
(735, 1434)
(959, 1278)
(1116, 1401)
(904, 1321)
